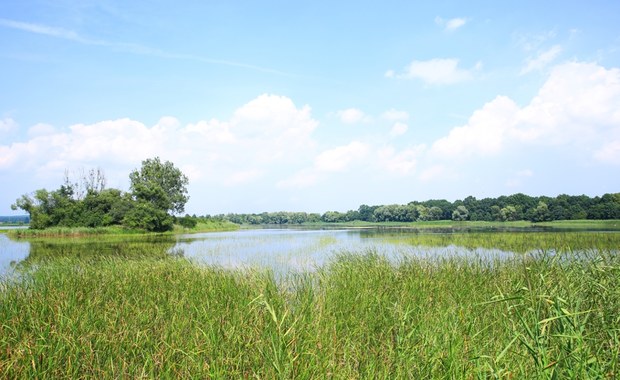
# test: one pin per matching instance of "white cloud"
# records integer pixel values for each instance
(578, 107)
(483, 134)
(436, 71)
(542, 60)
(46, 30)
(451, 24)
(267, 129)
(395, 115)
(137, 49)
(352, 116)
(398, 129)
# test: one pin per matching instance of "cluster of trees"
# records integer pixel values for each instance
(504, 208)
(158, 191)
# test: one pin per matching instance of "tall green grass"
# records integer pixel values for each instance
(203, 226)
(362, 316)
(518, 242)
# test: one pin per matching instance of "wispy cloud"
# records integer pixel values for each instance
(353, 116)
(541, 60)
(49, 31)
(451, 24)
(435, 71)
(132, 48)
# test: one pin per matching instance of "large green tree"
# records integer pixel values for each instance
(160, 184)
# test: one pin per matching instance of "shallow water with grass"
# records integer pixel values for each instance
(313, 304)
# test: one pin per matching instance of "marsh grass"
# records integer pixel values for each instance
(69, 232)
(362, 316)
(518, 242)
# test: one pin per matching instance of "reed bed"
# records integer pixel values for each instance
(362, 316)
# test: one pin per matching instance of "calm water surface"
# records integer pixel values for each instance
(281, 250)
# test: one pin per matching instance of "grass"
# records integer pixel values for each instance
(203, 226)
(151, 315)
(518, 242)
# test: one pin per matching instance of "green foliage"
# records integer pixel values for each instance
(460, 213)
(187, 221)
(510, 208)
(161, 184)
(146, 216)
(158, 189)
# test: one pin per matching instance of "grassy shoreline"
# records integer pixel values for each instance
(73, 232)
(214, 226)
(359, 317)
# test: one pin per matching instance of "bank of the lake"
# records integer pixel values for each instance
(202, 226)
(223, 225)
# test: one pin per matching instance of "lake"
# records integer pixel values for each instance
(303, 250)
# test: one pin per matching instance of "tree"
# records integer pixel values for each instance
(161, 185)
(460, 213)
(509, 213)
(540, 213)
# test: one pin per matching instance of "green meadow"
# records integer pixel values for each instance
(552, 310)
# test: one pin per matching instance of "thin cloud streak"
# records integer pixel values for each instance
(70, 35)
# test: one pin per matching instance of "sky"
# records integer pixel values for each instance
(313, 106)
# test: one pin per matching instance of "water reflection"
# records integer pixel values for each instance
(301, 250)
(11, 253)
(285, 251)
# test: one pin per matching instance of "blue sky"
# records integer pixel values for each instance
(314, 106)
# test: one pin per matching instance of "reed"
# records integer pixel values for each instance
(549, 315)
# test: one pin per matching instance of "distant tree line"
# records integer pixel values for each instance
(504, 208)
(17, 219)
(158, 191)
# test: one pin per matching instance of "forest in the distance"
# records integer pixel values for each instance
(504, 208)
(158, 194)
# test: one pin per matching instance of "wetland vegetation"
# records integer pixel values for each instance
(141, 307)
(508, 287)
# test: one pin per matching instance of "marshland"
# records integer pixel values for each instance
(312, 303)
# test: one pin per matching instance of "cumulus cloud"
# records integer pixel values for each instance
(267, 129)
(578, 106)
(437, 71)
(452, 24)
(484, 133)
